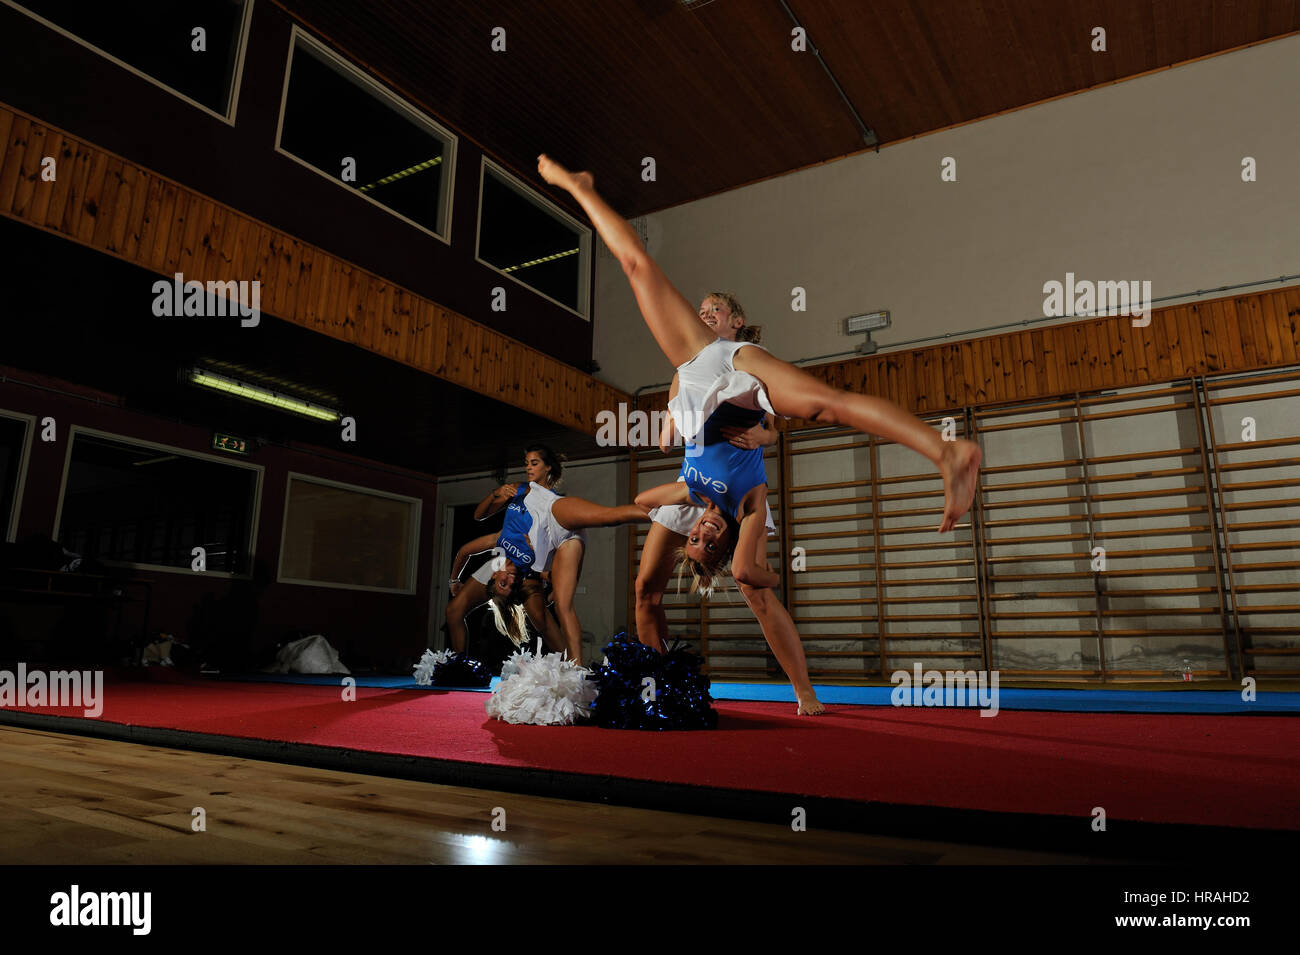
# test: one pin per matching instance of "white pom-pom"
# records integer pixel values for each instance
(424, 669)
(544, 690)
(511, 666)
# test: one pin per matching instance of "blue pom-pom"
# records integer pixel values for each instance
(461, 670)
(681, 699)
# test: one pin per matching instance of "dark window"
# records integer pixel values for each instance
(142, 505)
(156, 38)
(331, 115)
(13, 433)
(523, 237)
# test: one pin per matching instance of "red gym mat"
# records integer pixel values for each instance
(1210, 770)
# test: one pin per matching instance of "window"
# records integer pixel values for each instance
(339, 122)
(13, 454)
(532, 240)
(150, 505)
(343, 536)
(155, 40)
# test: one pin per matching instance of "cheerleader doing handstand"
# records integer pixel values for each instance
(713, 372)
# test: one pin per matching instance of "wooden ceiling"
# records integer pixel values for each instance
(714, 92)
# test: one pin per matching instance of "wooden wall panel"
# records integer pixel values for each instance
(1232, 334)
(104, 202)
(15, 149)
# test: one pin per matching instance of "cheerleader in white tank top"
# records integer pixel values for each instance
(790, 391)
(543, 531)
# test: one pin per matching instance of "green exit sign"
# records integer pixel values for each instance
(228, 442)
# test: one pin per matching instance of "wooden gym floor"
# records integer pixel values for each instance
(75, 800)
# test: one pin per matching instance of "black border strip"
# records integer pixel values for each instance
(1124, 841)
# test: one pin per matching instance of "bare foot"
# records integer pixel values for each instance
(557, 175)
(810, 706)
(960, 467)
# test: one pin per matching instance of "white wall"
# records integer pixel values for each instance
(1140, 180)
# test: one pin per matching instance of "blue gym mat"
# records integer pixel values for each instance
(373, 682)
(1068, 701)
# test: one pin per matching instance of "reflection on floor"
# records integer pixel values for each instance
(76, 801)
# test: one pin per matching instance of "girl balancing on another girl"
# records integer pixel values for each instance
(673, 522)
(543, 531)
(712, 373)
(732, 434)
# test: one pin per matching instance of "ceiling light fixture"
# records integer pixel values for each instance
(545, 258)
(240, 389)
(403, 173)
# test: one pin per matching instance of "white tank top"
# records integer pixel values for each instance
(710, 379)
(538, 503)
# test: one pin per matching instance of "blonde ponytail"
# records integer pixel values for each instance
(516, 626)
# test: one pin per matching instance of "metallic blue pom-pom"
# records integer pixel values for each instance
(461, 670)
(681, 697)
